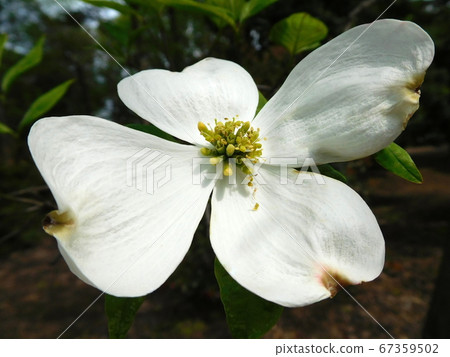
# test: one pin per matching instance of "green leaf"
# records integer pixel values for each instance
(3, 38)
(121, 313)
(398, 161)
(123, 9)
(241, 10)
(154, 5)
(151, 129)
(248, 315)
(330, 171)
(5, 129)
(32, 59)
(252, 7)
(202, 8)
(261, 102)
(234, 7)
(298, 32)
(44, 103)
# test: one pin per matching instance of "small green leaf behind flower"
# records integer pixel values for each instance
(123, 9)
(261, 102)
(205, 8)
(252, 7)
(5, 129)
(241, 10)
(299, 32)
(3, 39)
(398, 161)
(330, 171)
(223, 12)
(44, 103)
(121, 313)
(151, 129)
(32, 59)
(148, 5)
(248, 315)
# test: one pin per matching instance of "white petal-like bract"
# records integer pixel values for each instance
(128, 202)
(282, 240)
(351, 97)
(131, 197)
(176, 101)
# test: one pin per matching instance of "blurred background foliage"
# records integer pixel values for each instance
(267, 37)
(173, 34)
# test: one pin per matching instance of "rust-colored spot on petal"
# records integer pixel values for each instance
(333, 282)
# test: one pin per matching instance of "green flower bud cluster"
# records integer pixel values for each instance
(231, 139)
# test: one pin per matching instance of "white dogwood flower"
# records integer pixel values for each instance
(281, 240)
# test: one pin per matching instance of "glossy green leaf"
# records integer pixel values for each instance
(252, 7)
(330, 171)
(3, 38)
(261, 102)
(5, 129)
(248, 315)
(232, 7)
(151, 129)
(126, 10)
(44, 103)
(398, 161)
(219, 22)
(202, 8)
(33, 58)
(121, 313)
(241, 10)
(298, 32)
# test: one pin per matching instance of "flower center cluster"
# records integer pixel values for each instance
(231, 140)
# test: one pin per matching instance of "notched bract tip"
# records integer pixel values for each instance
(59, 224)
(333, 282)
(411, 96)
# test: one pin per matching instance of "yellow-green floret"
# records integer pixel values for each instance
(231, 139)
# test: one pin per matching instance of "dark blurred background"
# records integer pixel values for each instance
(39, 297)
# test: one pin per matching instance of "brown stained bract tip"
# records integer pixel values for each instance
(59, 225)
(333, 282)
(47, 222)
